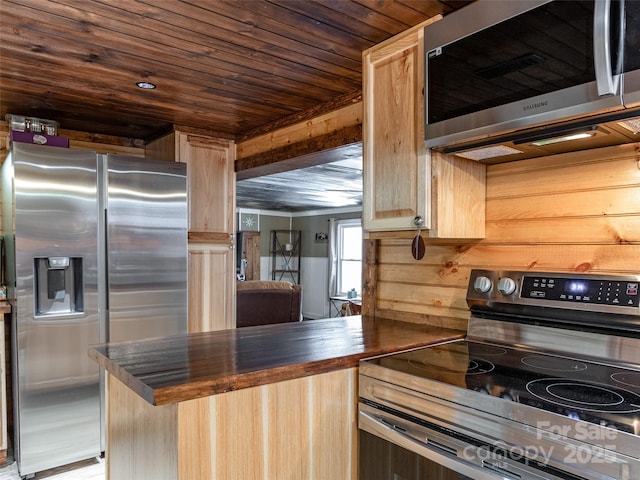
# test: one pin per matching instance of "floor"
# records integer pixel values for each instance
(87, 470)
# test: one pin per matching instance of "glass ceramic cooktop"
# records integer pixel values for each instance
(582, 390)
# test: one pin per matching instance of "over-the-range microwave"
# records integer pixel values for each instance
(499, 66)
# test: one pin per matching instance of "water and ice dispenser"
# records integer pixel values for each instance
(58, 286)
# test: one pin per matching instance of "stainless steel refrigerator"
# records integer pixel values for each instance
(96, 251)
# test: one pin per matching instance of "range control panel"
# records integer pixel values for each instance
(568, 289)
(597, 293)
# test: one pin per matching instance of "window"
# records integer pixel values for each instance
(349, 256)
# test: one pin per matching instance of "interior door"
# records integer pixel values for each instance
(251, 253)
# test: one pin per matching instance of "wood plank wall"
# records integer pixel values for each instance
(575, 212)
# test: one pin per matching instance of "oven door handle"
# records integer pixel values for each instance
(395, 433)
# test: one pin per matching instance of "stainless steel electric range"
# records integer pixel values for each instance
(546, 385)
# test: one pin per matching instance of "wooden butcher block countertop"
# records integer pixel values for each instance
(174, 369)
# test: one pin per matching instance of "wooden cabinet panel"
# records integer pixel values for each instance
(305, 428)
(141, 439)
(211, 295)
(458, 197)
(211, 182)
(302, 428)
(395, 169)
(402, 179)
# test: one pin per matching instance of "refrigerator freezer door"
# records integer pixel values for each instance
(56, 388)
(146, 236)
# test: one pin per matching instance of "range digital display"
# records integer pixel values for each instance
(577, 287)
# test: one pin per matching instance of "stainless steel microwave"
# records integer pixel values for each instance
(497, 66)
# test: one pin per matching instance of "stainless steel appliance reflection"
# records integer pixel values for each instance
(546, 384)
(95, 251)
(497, 72)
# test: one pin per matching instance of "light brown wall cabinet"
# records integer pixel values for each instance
(211, 198)
(402, 179)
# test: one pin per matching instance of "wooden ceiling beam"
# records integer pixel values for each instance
(334, 106)
(326, 133)
(332, 147)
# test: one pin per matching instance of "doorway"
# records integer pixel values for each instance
(251, 253)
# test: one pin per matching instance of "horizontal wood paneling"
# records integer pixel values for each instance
(446, 262)
(616, 230)
(613, 201)
(575, 212)
(434, 295)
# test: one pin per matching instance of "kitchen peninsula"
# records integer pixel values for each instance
(268, 402)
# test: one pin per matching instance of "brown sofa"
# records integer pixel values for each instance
(263, 302)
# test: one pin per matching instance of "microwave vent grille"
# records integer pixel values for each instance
(633, 125)
(489, 152)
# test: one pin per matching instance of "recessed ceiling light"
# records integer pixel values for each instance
(146, 85)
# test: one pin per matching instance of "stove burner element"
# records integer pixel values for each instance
(479, 366)
(486, 350)
(585, 396)
(556, 364)
(631, 379)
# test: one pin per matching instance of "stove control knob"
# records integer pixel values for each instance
(482, 285)
(506, 286)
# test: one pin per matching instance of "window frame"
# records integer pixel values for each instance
(341, 226)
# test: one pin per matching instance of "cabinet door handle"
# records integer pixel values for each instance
(417, 246)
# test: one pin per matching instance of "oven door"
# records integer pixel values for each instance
(394, 448)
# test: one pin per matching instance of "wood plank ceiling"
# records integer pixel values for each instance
(229, 66)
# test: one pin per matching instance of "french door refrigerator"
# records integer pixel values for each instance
(96, 251)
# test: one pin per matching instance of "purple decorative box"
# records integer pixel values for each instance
(39, 138)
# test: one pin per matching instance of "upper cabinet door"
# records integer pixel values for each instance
(395, 164)
(402, 178)
(211, 182)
